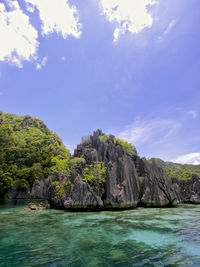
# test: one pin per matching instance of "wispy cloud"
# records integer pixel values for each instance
(190, 158)
(170, 26)
(42, 63)
(171, 136)
(130, 15)
(145, 131)
(167, 30)
(193, 113)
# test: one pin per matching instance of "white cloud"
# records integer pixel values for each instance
(130, 15)
(18, 37)
(42, 63)
(191, 158)
(30, 8)
(57, 16)
(141, 132)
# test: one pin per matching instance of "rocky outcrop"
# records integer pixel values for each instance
(122, 185)
(42, 205)
(187, 191)
(156, 189)
(129, 182)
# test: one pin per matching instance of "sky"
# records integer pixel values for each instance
(128, 67)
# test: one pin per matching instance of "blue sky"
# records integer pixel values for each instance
(128, 67)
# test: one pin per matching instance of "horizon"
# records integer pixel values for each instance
(127, 67)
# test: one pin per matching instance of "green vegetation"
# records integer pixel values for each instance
(77, 162)
(130, 149)
(103, 138)
(176, 170)
(60, 187)
(95, 172)
(29, 150)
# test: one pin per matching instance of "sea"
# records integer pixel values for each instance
(137, 237)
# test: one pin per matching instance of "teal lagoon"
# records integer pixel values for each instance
(138, 237)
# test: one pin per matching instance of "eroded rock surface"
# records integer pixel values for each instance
(187, 191)
(130, 181)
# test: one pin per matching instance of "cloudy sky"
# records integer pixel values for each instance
(128, 67)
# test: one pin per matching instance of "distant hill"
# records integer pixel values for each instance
(176, 170)
(28, 150)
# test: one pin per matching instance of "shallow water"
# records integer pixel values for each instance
(139, 237)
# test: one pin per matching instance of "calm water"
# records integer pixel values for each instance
(140, 237)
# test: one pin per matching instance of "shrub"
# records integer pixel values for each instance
(95, 172)
(103, 138)
(130, 149)
(77, 162)
(60, 187)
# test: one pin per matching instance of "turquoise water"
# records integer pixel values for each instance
(140, 237)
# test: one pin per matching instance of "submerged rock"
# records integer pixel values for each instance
(38, 205)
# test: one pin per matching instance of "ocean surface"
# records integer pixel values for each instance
(138, 237)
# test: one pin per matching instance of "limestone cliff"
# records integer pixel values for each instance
(129, 180)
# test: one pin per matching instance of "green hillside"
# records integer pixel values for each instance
(176, 170)
(28, 150)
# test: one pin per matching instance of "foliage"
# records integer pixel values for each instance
(176, 170)
(77, 162)
(95, 172)
(23, 185)
(6, 182)
(130, 149)
(103, 138)
(28, 150)
(61, 165)
(60, 187)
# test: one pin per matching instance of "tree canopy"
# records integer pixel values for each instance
(28, 150)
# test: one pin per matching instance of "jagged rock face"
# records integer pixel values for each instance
(187, 191)
(156, 189)
(122, 184)
(130, 181)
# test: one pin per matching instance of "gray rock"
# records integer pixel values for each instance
(187, 191)
(156, 189)
(130, 181)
